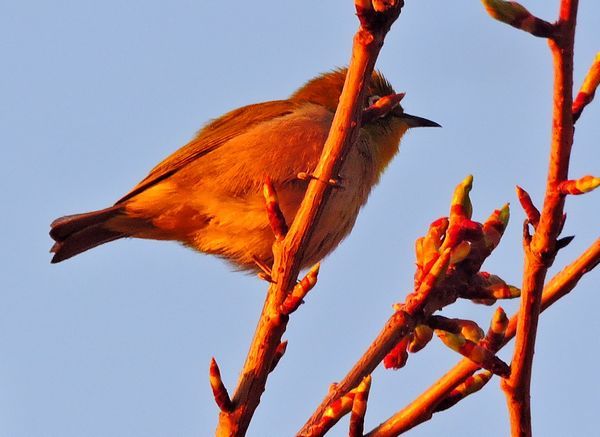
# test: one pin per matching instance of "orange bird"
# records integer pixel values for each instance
(208, 194)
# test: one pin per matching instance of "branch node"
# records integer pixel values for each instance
(279, 352)
(476, 353)
(300, 290)
(516, 15)
(588, 89)
(494, 227)
(218, 388)
(421, 336)
(338, 409)
(563, 242)
(397, 357)
(466, 328)
(532, 213)
(494, 287)
(579, 186)
(497, 330)
(561, 225)
(526, 234)
(359, 408)
(377, 15)
(276, 217)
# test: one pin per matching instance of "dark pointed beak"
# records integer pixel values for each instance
(414, 121)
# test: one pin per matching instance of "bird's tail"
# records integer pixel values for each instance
(77, 233)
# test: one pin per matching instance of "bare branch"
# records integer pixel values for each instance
(471, 350)
(276, 218)
(540, 253)
(471, 385)
(279, 353)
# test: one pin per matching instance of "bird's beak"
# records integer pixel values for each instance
(414, 121)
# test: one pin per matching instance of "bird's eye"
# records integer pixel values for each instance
(373, 99)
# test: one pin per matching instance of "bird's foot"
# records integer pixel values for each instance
(333, 182)
(265, 270)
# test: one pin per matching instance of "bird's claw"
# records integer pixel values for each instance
(333, 182)
(265, 274)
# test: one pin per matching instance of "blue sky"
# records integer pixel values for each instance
(117, 342)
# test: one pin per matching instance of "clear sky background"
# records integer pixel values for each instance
(117, 341)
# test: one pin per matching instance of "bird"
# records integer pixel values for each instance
(208, 194)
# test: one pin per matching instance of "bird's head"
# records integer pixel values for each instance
(385, 130)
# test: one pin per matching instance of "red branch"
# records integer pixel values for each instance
(540, 253)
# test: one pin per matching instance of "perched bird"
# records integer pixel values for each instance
(208, 194)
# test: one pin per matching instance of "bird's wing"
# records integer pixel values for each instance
(211, 137)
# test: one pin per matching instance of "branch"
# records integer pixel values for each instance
(375, 22)
(422, 408)
(540, 252)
